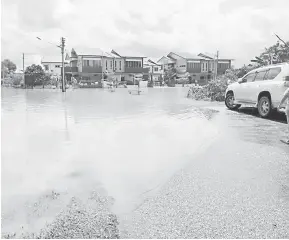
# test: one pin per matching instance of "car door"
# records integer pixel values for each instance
(274, 84)
(255, 87)
(240, 93)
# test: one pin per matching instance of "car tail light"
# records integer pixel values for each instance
(286, 79)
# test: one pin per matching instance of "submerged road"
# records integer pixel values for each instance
(95, 164)
(238, 187)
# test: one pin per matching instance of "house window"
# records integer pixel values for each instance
(203, 66)
(156, 69)
(106, 64)
(57, 66)
(96, 63)
(110, 64)
(115, 65)
(133, 64)
(119, 65)
(86, 63)
(46, 67)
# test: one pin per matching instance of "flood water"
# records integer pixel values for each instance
(87, 139)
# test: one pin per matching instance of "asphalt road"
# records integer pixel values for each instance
(238, 187)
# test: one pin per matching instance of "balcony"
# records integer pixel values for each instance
(194, 70)
(95, 69)
(136, 70)
(70, 69)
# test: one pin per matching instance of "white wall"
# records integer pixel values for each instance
(54, 68)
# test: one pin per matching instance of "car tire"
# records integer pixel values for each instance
(264, 107)
(228, 102)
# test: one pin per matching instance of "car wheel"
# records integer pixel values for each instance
(264, 107)
(229, 102)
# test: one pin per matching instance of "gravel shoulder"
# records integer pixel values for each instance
(236, 189)
(80, 218)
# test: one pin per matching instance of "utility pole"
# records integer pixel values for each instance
(217, 65)
(62, 54)
(23, 69)
(23, 62)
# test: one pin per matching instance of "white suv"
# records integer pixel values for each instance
(262, 88)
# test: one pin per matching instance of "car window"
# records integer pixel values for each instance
(260, 75)
(272, 73)
(250, 77)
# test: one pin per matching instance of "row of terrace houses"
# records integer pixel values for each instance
(200, 68)
(94, 64)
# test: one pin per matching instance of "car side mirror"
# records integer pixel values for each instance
(240, 80)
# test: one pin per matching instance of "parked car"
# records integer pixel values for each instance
(262, 88)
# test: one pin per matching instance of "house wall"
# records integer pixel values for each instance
(119, 65)
(54, 68)
(180, 64)
(193, 66)
(107, 64)
(79, 63)
(91, 65)
(223, 65)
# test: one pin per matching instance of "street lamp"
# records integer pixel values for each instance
(61, 46)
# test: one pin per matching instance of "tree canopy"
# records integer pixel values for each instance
(34, 75)
(277, 53)
(7, 67)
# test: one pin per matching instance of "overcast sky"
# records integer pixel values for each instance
(239, 29)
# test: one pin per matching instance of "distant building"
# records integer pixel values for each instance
(53, 65)
(197, 68)
(95, 64)
(155, 71)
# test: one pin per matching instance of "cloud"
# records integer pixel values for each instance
(239, 29)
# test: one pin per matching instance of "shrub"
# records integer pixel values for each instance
(16, 79)
(215, 89)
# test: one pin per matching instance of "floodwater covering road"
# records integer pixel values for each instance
(166, 166)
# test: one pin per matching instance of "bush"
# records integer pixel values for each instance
(16, 79)
(215, 89)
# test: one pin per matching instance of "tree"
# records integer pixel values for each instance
(7, 67)
(277, 53)
(34, 75)
(169, 76)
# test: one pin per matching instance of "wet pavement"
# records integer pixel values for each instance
(158, 164)
(238, 187)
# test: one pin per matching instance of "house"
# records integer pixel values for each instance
(155, 71)
(52, 65)
(96, 64)
(200, 68)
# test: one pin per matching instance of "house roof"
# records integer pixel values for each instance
(155, 60)
(187, 55)
(170, 55)
(128, 54)
(91, 52)
(165, 59)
